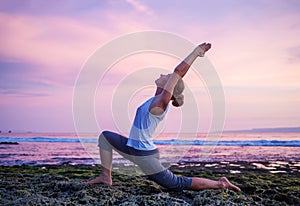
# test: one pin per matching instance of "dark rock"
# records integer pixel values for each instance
(13, 143)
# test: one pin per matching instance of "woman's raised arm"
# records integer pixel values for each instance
(184, 66)
(161, 101)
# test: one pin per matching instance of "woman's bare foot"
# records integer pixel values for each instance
(225, 184)
(100, 180)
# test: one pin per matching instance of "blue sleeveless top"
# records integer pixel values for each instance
(144, 125)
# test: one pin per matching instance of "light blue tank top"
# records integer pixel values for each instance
(144, 125)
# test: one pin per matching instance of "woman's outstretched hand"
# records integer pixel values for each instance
(202, 49)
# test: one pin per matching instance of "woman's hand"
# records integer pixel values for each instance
(202, 49)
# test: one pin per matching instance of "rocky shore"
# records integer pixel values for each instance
(262, 183)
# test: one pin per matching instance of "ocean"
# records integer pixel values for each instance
(68, 148)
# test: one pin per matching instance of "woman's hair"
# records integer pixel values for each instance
(178, 97)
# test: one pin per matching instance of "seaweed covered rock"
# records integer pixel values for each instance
(63, 185)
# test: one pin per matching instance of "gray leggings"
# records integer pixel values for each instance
(148, 161)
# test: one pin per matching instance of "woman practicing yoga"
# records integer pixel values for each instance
(139, 147)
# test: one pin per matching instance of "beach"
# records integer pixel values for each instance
(63, 185)
(41, 171)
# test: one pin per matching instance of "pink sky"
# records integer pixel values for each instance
(43, 46)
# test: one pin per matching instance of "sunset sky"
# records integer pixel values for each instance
(44, 44)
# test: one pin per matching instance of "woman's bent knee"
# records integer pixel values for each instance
(103, 142)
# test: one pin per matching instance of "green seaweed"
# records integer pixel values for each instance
(63, 185)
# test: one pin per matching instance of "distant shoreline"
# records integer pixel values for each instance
(267, 130)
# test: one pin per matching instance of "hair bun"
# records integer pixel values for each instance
(178, 100)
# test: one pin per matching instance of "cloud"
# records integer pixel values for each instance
(17, 79)
(140, 7)
(56, 47)
(70, 8)
(57, 41)
(43, 46)
(47, 41)
(41, 53)
(22, 93)
(245, 55)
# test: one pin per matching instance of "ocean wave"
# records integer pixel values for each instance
(290, 143)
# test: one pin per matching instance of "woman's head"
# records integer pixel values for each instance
(177, 98)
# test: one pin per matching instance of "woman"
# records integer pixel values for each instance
(139, 147)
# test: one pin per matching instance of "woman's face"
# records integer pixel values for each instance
(162, 80)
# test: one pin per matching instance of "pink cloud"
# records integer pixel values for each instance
(57, 46)
(252, 58)
(246, 55)
(47, 41)
(140, 7)
(56, 41)
(256, 51)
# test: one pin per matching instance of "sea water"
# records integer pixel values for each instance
(62, 148)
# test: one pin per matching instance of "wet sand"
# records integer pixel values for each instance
(262, 183)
